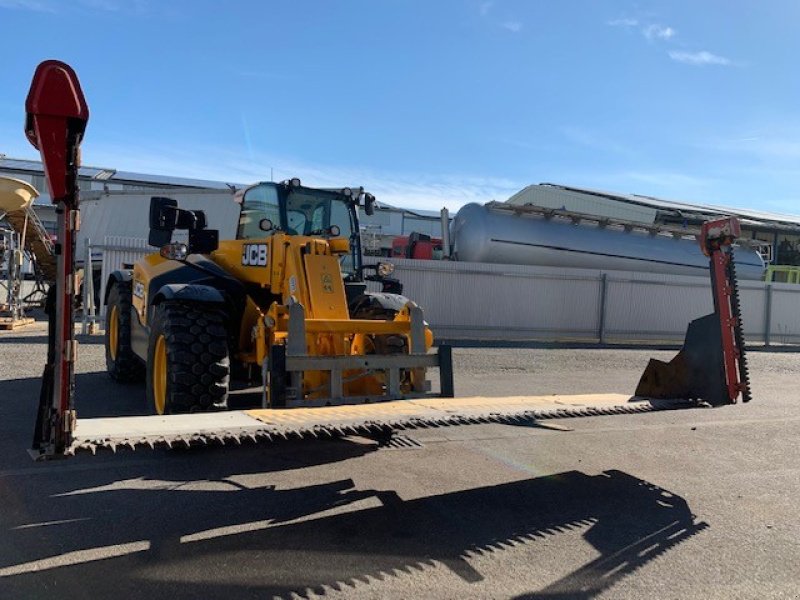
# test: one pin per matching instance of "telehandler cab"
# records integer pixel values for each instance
(286, 299)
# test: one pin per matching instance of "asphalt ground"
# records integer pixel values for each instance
(703, 503)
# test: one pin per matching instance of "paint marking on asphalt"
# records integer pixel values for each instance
(77, 557)
(216, 532)
(48, 523)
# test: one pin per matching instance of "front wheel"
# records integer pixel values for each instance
(122, 363)
(188, 364)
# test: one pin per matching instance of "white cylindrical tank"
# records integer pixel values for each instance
(481, 234)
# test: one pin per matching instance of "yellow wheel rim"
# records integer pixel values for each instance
(160, 375)
(113, 333)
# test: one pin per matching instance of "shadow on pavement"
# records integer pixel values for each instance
(201, 523)
(181, 528)
(97, 395)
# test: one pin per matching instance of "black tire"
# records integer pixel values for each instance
(197, 358)
(123, 365)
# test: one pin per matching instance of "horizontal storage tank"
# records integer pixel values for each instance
(481, 234)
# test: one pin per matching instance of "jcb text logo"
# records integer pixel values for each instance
(254, 255)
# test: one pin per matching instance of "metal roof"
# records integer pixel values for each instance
(688, 210)
(114, 176)
(169, 180)
(34, 166)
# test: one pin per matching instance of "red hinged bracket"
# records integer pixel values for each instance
(716, 240)
(715, 234)
(55, 121)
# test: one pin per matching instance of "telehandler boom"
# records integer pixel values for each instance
(288, 299)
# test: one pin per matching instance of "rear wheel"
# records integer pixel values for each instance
(386, 343)
(188, 363)
(382, 344)
(121, 362)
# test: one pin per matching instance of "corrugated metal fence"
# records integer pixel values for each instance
(512, 302)
(118, 251)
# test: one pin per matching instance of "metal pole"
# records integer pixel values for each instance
(601, 325)
(85, 315)
(445, 217)
(18, 262)
(10, 271)
(92, 307)
(768, 315)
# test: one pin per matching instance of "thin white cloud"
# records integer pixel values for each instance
(53, 6)
(655, 31)
(485, 7)
(699, 59)
(669, 179)
(34, 5)
(772, 147)
(106, 5)
(652, 31)
(623, 22)
(588, 139)
(428, 191)
(513, 26)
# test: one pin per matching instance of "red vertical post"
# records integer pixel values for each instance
(722, 292)
(716, 240)
(56, 117)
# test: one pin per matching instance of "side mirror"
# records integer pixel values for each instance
(369, 204)
(163, 220)
(203, 241)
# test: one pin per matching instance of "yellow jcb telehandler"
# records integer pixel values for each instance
(286, 299)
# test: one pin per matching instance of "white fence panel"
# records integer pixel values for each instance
(653, 310)
(117, 251)
(753, 307)
(785, 320)
(490, 305)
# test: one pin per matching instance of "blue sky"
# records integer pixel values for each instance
(430, 104)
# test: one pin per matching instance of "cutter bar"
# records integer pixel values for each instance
(265, 425)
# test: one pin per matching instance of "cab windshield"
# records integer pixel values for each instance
(300, 211)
